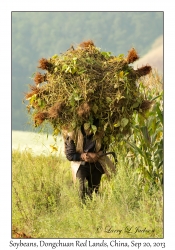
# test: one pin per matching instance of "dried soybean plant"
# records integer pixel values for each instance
(86, 83)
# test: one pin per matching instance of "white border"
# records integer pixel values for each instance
(5, 97)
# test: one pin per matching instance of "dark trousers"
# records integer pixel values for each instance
(90, 172)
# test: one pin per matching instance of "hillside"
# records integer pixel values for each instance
(153, 57)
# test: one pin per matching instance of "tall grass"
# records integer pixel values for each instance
(45, 203)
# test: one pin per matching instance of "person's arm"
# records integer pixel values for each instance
(72, 155)
(92, 156)
(70, 151)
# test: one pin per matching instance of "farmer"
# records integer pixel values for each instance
(88, 163)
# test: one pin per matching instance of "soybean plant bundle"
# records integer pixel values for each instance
(86, 83)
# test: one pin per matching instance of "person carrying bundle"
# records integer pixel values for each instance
(82, 84)
(88, 159)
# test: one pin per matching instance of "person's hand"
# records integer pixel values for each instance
(93, 157)
(84, 156)
(90, 157)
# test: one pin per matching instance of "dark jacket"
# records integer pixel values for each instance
(70, 147)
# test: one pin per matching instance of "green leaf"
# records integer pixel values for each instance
(39, 101)
(135, 105)
(56, 131)
(95, 108)
(87, 125)
(156, 97)
(137, 149)
(117, 124)
(106, 54)
(94, 128)
(145, 133)
(121, 74)
(73, 124)
(160, 114)
(81, 71)
(32, 76)
(55, 56)
(72, 102)
(120, 57)
(64, 67)
(33, 98)
(105, 138)
(55, 69)
(74, 60)
(73, 70)
(77, 98)
(160, 164)
(108, 99)
(124, 122)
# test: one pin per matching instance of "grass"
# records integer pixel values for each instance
(45, 203)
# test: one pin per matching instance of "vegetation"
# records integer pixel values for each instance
(42, 34)
(144, 146)
(45, 203)
(86, 83)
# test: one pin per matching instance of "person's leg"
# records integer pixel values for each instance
(94, 180)
(81, 176)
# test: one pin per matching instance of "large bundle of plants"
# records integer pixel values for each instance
(84, 84)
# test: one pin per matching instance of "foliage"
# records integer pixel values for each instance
(84, 84)
(36, 181)
(144, 147)
(45, 203)
(147, 144)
